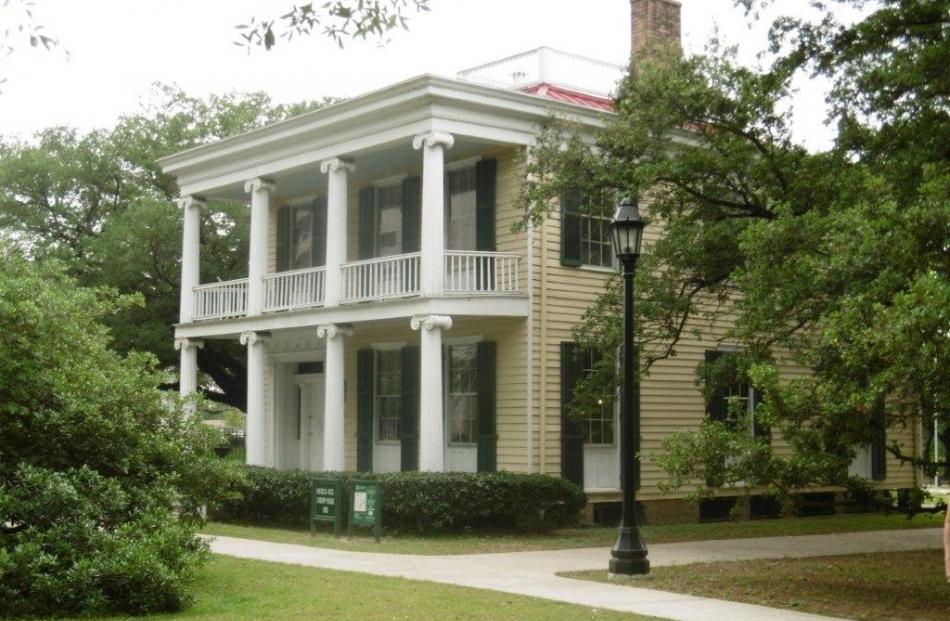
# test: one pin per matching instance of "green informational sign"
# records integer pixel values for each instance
(366, 507)
(326, 500)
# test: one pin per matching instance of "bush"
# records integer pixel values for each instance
(101, 477)
(417, 502)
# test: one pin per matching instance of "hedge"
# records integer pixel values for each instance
(416, 502)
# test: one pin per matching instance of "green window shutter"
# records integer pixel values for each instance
(487, 434)
(485, 173)
(319, 232)
(718, 404)
(409, 404)
(761, 430)
(879, 448)
(367, 222)
(572, 437)
(283, 238)
(716, 407)
(365, 375)
(571, 228)
(411, 214)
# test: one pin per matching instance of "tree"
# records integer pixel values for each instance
(337, 19)
(836, 260)
(99, 203)
(101, 474)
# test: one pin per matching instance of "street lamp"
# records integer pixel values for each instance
(629, 554)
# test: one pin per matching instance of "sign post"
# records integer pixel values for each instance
(326, 500)
(366, 507)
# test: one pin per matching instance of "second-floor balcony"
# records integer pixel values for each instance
(466, 273)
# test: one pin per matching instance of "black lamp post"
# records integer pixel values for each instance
(629, 554)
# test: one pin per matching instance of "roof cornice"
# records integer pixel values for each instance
(420, 90)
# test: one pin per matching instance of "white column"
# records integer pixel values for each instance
(431, 425)
(432, 267)
(260, 191)
(334, 439)
(336, 227)
(254, 427)
(188, 374)
(190, 244)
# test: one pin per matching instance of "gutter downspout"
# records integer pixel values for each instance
(529, 354)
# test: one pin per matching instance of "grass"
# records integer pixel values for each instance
(576, 538)
(872, 587)
(236, 590)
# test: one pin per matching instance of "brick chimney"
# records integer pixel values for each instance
(654, 22)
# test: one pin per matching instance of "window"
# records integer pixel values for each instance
(388, 220)
(585, 231)
(463, 394)
(733, 400)
(460, 217)
(301, 235)
(302, 246)
(599, 428)
(388, 395)
(596, 247)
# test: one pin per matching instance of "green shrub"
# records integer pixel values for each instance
(101, 477)
(417, 502)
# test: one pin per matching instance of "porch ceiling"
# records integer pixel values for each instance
(373, 164)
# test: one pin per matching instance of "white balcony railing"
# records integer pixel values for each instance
(469, 271)
(221, 299)
(466, 272)
(294, 289)
(386, 277)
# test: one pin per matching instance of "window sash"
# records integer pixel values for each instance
(596, 247)
(462, 402)
(461, 219)
(388, 238)
(388, 398)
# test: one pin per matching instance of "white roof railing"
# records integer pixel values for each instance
(547, 65)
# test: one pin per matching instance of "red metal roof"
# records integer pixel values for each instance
(575, 97)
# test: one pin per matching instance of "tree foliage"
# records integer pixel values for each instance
(99, 203)
(101, 475)
(338, 20)
(835, 260)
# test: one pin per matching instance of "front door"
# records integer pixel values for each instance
(310, 409)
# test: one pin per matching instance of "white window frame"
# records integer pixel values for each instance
(376, 397)
(447, 389)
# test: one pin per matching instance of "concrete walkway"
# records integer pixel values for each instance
(534, 573)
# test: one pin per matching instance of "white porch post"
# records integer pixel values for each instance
(431, 426)
(190, 249)
(334, 439)
(254, 432)
(188, 373)
(336, 227)
(260, 191)
(431, 266)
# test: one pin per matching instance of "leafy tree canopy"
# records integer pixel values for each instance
(99, 203)
(338, 19)
(101, 474)
(836, 260)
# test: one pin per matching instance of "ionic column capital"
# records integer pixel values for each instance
(433, 139)
(253, 338)
(431, 322)
(333, 330)
(188, 202)
(334, 164)
(259, 185)
(185, 343)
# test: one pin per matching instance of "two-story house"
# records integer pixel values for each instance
(393, 318)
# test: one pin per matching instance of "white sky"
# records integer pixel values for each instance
(117, 48)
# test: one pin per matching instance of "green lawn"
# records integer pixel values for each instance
(580, 537)
(873, 587)
(235, 590)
